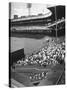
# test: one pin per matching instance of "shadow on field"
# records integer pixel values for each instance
(28, 35)
(37, 35)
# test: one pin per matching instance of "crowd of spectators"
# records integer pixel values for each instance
(51, 54)
(38, 76)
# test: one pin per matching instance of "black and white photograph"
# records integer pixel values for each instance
(36, 44)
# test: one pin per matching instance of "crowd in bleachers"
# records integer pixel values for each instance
(52, 53)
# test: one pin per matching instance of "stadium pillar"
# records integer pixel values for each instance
(56, 22)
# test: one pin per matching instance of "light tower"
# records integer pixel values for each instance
(29, 7)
